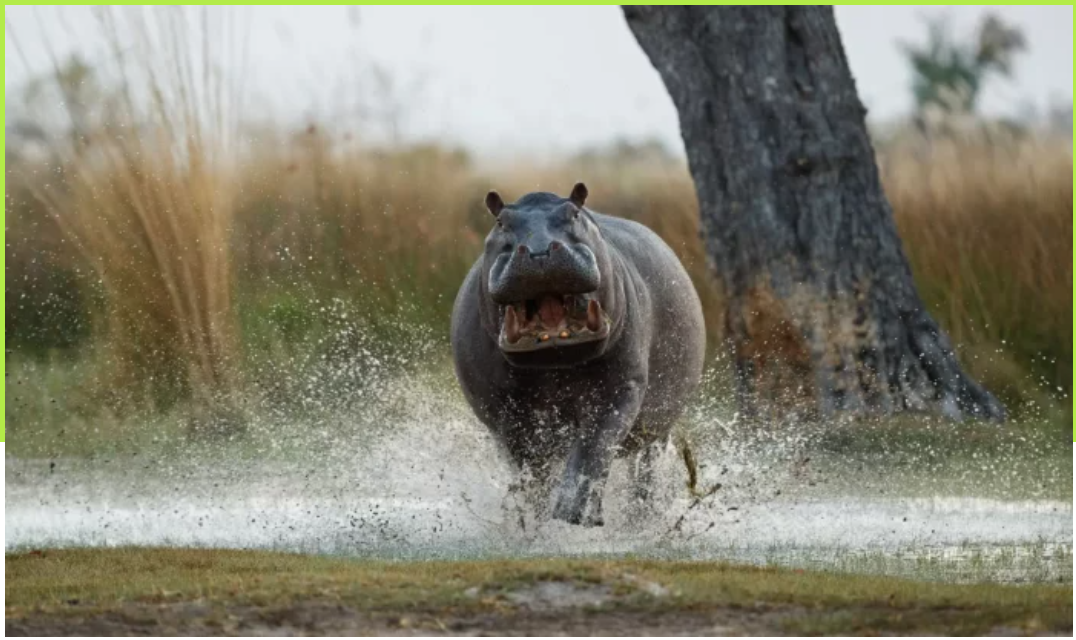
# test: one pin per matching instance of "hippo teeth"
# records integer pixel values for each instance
(511, 325)
(550, 318)
(594, 315)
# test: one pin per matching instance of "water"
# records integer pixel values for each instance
(431, 484)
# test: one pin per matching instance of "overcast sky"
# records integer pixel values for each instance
(517, 80)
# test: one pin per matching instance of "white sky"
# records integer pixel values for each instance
(531, 80)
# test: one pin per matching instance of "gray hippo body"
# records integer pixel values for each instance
(576, 336)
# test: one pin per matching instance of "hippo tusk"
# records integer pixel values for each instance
(511, 325)
(594, 315)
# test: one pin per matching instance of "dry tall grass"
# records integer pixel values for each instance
(387, 226)
(397, 231)
(988, 231)
(986, 227)
(143, 188)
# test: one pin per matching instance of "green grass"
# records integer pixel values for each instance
(87, 582)
(52, 410)
(1036, 563)
(1024, 459)
(298, 405)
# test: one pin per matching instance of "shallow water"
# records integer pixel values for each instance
(423, 492)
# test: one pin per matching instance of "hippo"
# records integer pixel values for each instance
(576, 337)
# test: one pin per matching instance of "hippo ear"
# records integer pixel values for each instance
(494, 203)
(579, 194)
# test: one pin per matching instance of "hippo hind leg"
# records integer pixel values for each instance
(643, 481)
(642, 475)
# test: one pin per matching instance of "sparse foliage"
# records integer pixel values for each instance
(949, 74)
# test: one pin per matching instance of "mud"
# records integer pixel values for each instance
(325, 618)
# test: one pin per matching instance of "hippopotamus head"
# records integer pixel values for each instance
(546, 280)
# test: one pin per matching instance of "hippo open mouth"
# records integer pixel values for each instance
(552, 320)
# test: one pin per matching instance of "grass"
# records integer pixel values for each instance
(51, 411)
(1026, 460)
(303, 396)
(968, 563)
(391, 236)
(142, 190)
(988, 231)
(80, 584)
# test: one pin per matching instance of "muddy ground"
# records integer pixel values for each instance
(328, 618)
(324, 618)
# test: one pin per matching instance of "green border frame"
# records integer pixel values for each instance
(3, 235)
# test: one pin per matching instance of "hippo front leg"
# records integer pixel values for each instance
(579, 496)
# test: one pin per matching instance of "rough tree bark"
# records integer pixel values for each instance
(823, 316)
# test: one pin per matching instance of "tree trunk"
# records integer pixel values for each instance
(823, 315)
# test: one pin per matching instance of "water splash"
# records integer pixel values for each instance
(374, 456)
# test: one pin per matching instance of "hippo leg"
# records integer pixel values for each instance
(643, 503)
(535, 484)
(642, 474)
(579, 497)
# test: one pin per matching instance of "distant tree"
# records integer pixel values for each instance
(61, 109)
(949, 73)
(1059, 119)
